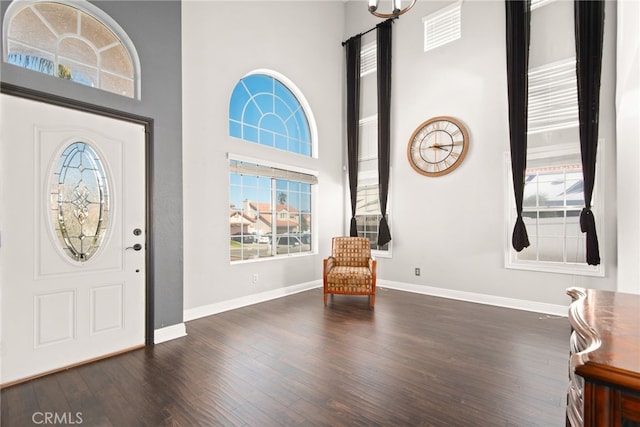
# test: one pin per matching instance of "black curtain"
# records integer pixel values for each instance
(353, 121)
(384, 124)
(589, 29)
(518, 16)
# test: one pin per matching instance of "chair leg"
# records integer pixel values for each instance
(325, 298)
(372, 300)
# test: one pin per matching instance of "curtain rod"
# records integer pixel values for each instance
(370, 29)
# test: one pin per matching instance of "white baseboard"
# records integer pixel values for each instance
(169, 333)
(518, 304)
(208, 310)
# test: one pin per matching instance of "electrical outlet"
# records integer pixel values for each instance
(254, 279)
(417, 271)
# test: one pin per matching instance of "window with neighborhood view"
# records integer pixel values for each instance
(270, 211)
(72, 40)
(553, 200)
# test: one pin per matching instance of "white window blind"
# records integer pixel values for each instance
(539, 3)
(442, 26)
(240, 167)
(553, 97)
(368, 59)
(368, 153)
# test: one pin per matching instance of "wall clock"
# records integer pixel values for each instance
(438, 146)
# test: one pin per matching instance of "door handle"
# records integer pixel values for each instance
(135, 247)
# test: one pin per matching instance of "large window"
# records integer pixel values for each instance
(553, 193)
(270, 204)
(72, 40)
(264, 110)
(553, 200)
(270, 212)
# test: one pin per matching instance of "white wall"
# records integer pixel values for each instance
(452, 227)
(628, 155)
(222, 41)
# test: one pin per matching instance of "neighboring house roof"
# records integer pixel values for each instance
(264, 212)
(267, 219)
(266, 207)
(235, 217)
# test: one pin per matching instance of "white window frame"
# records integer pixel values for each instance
(304, 104)
(598, 203)
(314, 196)
(96, 13)
(370, 176)
(442, 26)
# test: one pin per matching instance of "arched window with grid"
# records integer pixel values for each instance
(72, 40)
(265, 110)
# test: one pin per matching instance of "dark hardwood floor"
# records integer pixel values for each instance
(414, 360)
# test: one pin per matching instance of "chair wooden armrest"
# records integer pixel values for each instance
(373, 265)
(328, 264)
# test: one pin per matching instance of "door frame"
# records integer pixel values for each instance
(148, 124)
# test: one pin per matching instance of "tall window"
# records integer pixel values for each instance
(271, 204)
(72, 40)
(553, 199)
(368, 196)
(266, 111)
(270, 212)
(553, 192)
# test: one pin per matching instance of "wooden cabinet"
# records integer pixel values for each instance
(604, 367)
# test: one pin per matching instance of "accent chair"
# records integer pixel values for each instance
(350, 270)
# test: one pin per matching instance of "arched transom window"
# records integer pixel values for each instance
(74, 41)
(266, 111)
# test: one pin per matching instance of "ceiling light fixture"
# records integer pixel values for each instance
(397, 9)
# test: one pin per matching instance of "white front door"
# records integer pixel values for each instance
(72, 224)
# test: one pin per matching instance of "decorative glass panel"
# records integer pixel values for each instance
(97, 32)
(117, 60)
(80, 201)
(62, 19)
(28, 26)
(66, 41)
(77, 50)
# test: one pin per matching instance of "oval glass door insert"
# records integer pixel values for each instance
(80, 201)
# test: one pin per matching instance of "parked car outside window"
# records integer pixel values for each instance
(290, 244)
